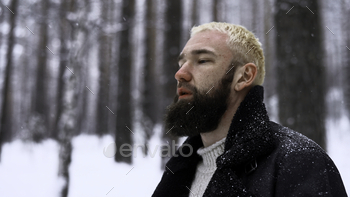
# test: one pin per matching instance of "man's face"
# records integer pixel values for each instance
(203, 85)
(203, 61)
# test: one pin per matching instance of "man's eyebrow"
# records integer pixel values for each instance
(201, 51)
(196, 52)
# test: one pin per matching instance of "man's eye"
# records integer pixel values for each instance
(203, 61)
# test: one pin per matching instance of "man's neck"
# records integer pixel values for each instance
(221, 131)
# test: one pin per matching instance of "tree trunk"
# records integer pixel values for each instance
(82, 122)
(215, 10)
(300, 72)
(347, 57)
(150, 104)
(67, 115)
(2, 18)
(194, 13)
(6, 108)
(171, 51)
(104, 63)
(269, 52)
(40, 103)
(123, 113)
(64, 57)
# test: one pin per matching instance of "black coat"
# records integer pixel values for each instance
(261, 158)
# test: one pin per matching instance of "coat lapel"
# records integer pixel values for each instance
(248, 139)
(250, 135)
(180, 170)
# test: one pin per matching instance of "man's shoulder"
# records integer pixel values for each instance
(302, 166)
(288, 141)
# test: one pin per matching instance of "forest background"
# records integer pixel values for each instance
(106, 67)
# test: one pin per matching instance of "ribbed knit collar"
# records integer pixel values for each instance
(210, 153)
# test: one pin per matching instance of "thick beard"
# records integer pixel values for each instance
(200, 114)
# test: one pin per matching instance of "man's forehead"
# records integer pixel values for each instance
(197, 52)
(209, 42)
(209, 37)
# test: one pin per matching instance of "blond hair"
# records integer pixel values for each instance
(243, 43)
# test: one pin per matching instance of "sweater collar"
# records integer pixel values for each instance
(210, 153)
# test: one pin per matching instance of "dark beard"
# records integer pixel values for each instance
(200, 114)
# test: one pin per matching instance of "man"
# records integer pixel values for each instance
(237, 151)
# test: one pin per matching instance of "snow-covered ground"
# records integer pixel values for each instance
(338, 143)
(28, 169)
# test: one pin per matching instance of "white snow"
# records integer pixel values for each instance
(94, 174)
(338, 146)
(28, 169)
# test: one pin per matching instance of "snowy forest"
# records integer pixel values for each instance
(77, 74)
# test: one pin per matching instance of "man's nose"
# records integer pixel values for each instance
(183, 74)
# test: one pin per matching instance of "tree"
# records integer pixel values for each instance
(194, 13)
(6, 108)
(64, 57)
(269, 51)
(347, 58)
(216, 10)
(150, 105)
(172, 49)
(67, 115)
(2, 18)
(300, 72)
(123, 113)
(40, 102)
(104, 64)
(83, 51)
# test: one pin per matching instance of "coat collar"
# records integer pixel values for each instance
(248, 138)
(250, 135)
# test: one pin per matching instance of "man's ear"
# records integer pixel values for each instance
(245, 76)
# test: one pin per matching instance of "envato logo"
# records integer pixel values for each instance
(163, 150)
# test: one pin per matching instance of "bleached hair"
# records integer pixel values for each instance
(245, 46)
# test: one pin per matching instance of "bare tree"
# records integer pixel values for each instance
(40, 102)
(2, 18)
(194, 13)
(123, 113)
(150, 104)
(64, 34)
(171, 48)
(83, 52)
(171, 51)
(269, 52)
(67, 115)
(104, 68)
(347, 56)
(215, 10)
(67, 127)
(300, 72)
(6, 108)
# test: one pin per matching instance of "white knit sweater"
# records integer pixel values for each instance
(206, 168)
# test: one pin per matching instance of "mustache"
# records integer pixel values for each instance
(187, 86)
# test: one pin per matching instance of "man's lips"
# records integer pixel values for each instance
(183, 92)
